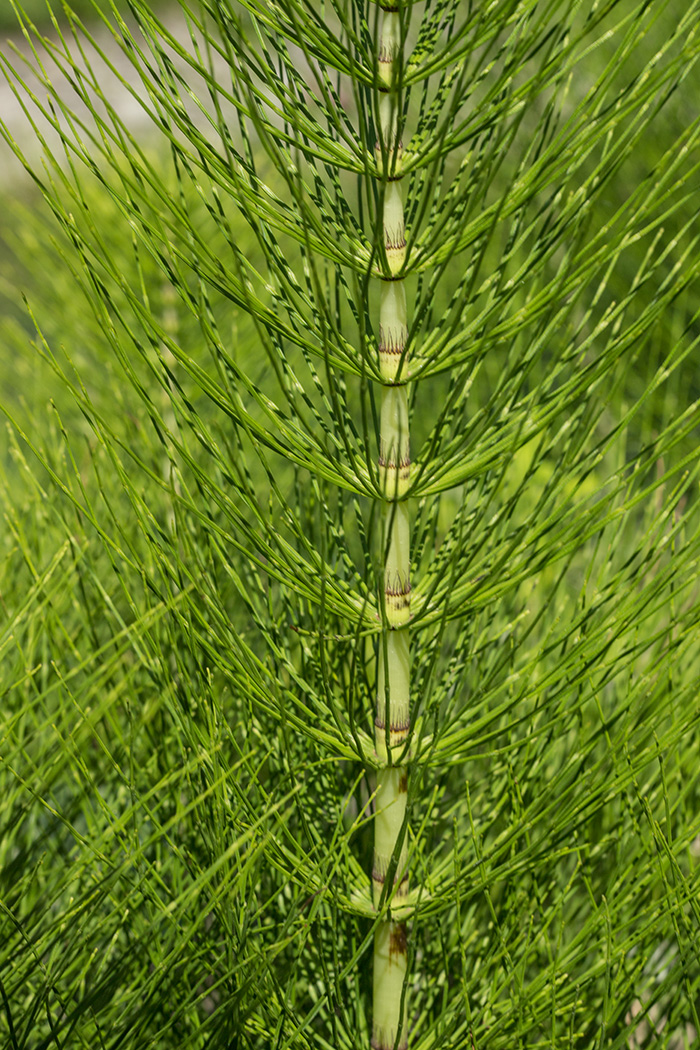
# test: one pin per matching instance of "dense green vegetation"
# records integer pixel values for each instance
(193, 565)
(43, 13)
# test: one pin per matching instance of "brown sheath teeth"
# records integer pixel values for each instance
(391, 464)
(379, 876)
(395, 727)
(388, 345)
(392, 471)
(397, 587)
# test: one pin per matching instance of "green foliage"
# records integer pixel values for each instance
(190, 572)
(43, 13)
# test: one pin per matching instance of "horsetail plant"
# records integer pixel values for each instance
(351, 550)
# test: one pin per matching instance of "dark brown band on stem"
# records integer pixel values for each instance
(395, 727)
(398, 940)
(379, 876)
(378, 1044)
(389, 345)
(392, 464)
(398, 587)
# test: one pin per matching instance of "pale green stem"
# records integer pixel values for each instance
(389, 1028)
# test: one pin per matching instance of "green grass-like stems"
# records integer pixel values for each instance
(229, 727)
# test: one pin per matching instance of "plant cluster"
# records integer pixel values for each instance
(350, 663)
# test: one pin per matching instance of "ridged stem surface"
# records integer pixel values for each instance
(390, 868)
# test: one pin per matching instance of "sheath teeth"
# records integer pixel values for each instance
(398, 734)
(389, 462)
(394, 451)
(390, 814)
(399, 727)
(382, 1041)
(379, 873)
(388, 50)
(393, 328)
(394, 228)
(390, 351)
(392, 343)
(395, 584)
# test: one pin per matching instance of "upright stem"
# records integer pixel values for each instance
(390, 868)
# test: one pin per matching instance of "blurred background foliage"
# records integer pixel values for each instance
(43, 14)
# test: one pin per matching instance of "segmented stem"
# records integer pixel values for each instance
(390, 868)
